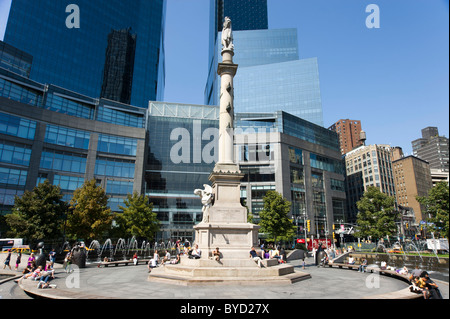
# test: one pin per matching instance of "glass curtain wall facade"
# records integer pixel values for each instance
(74, 58)
(47, 132)
(181, 156)
(303, 163)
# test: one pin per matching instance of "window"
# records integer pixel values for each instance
(119, 187)
(68, 183)
(297, 176)
(16, 177)
(63, 161)
(67, 137)
(114, 167)
(117, 145)
(295, 155)
(61, 105)
(19, 93)
(15, 154)
(16, 126)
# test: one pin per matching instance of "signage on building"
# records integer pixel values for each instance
(315, 243)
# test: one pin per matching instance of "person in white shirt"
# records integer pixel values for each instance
(197, 253)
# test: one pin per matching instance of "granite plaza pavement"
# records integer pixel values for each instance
(130, 282)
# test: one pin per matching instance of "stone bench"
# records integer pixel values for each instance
(269, 262)
(123, 262)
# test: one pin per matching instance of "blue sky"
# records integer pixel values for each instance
(394, 79)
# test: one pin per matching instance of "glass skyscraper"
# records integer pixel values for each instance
(270, 76)
(74, 58)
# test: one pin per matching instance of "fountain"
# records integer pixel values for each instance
(121, 245)
(94, 245)
(109, 245)
(434, 246)
(411, 244)
(132, 245)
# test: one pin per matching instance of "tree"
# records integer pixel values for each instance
(138, 218)
(437, 206)
(89, 217)
(38, 214)
(376, 214)
(274, 217)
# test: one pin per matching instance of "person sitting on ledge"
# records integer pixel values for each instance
(255, 257)
(275, 253)
(216, 254)
(196, 253)
(362, 267)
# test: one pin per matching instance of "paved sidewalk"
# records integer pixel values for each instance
(130, 282)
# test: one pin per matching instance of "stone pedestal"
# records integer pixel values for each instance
(227, 228)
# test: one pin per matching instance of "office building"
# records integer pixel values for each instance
(299, 159)
(412, 178)
(432, 148)
(366, 166)
(74, 58)
(438, 175)
(349, 132)
(47, 132)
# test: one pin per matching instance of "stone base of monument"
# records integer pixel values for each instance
(226, 271)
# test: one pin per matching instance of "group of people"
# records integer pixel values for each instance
(8, 260)
(157, 260)
(422, 283)
(270, 253)
(43, 274)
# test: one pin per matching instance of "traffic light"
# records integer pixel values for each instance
(407, 225)
(308, 225)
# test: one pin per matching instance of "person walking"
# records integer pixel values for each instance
(18, 259)
(52, 256)
(8, 260)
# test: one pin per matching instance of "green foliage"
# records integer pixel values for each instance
(274, 218)
(138, 218)
(376, 217)
(38, 214)
(90, 216)
(437, 205)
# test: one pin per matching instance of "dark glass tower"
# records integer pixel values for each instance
(74, 58)
(245, 14)
(119, 66)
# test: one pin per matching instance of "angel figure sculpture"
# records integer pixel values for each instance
(207, 198)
